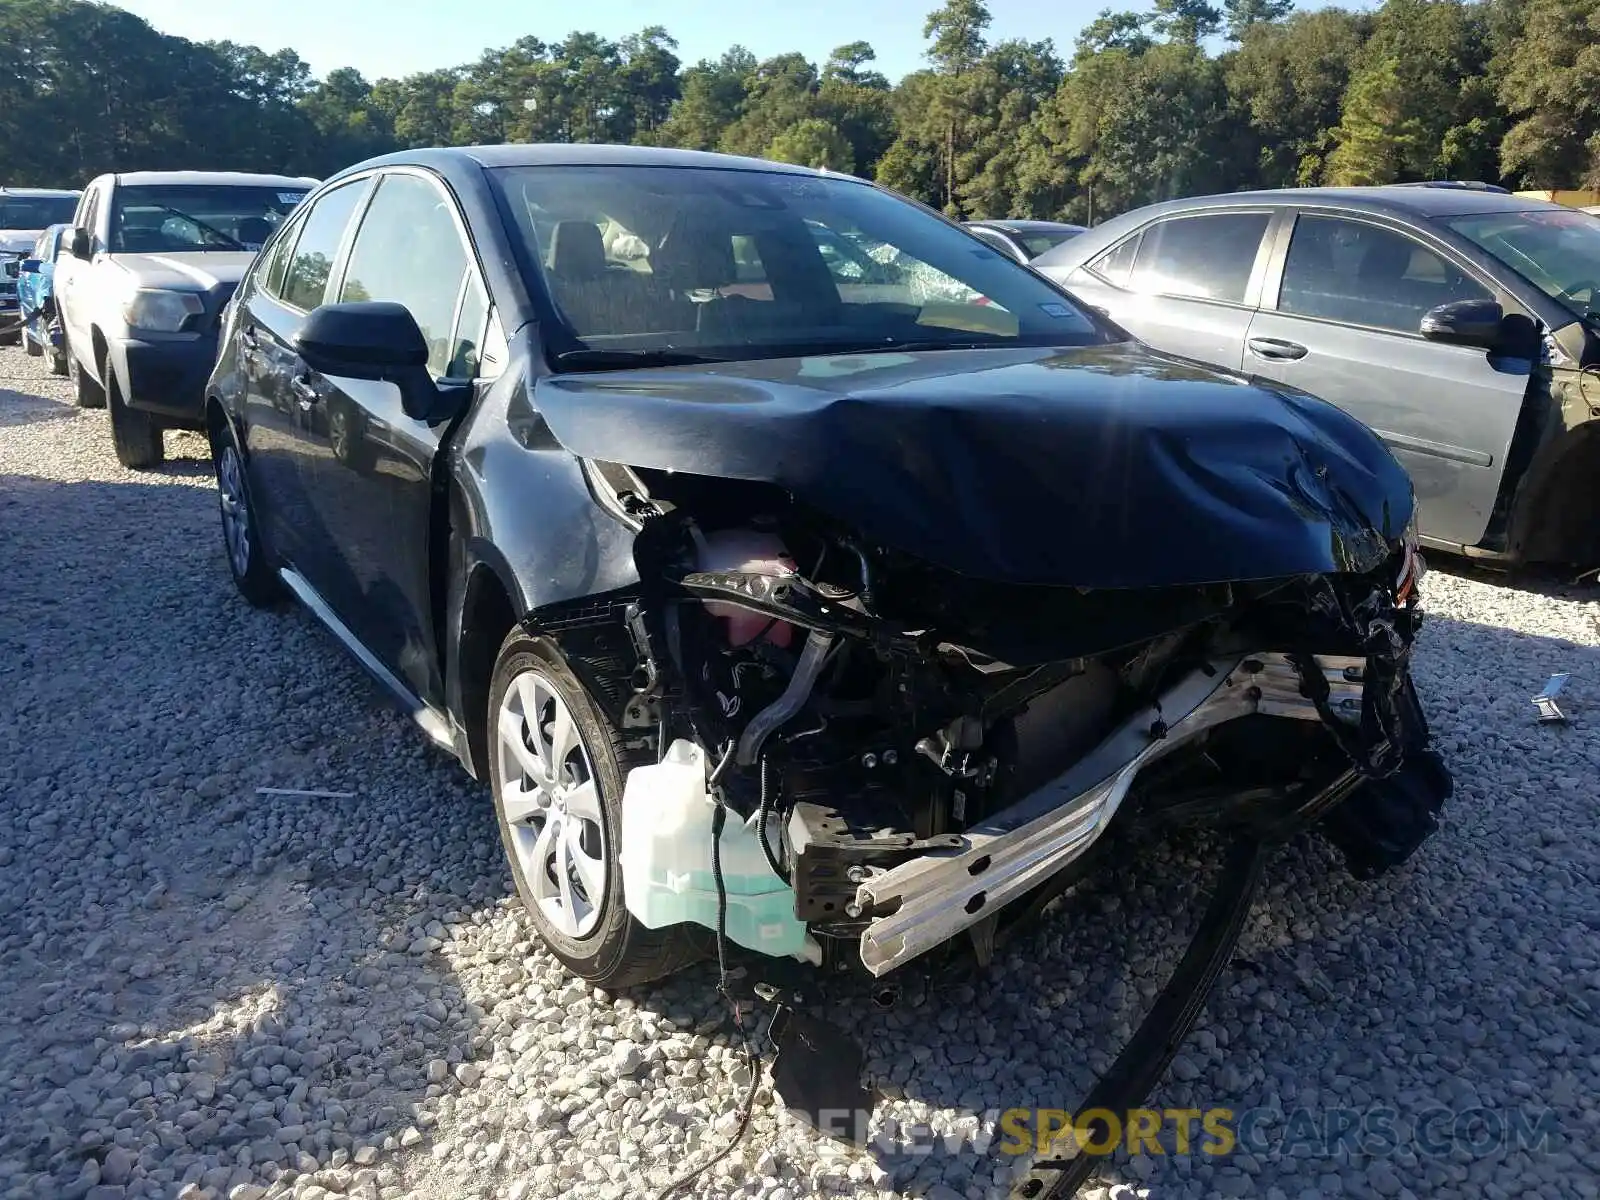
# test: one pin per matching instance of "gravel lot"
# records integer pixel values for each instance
(206, 992)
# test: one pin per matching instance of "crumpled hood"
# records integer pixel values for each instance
(1103, 467)
(194, 270)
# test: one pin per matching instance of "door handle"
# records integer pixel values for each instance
(1265, 347)
(300, 385)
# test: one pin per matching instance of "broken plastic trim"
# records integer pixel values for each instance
(926, 902)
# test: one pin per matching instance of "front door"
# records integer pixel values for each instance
(370, 474)
(1345, 328)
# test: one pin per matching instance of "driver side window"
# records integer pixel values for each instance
(408, 250)
(1357, 273)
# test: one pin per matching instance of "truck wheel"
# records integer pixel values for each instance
(556, 767)
(31, 348)
(89, 393)
(248, 561)
(134, 435)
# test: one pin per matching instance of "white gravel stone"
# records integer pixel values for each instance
(206, 989)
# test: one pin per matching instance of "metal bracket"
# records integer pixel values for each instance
(1545, 701)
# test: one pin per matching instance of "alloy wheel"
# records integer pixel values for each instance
(235, 513)
(551, 803)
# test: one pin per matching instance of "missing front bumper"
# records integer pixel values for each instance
(926, 902)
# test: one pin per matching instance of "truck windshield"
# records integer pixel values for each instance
(158, 219)
(1556, 249)
(643, 262)
(35, 212)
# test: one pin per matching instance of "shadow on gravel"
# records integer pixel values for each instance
(205, 984)
(19, 408)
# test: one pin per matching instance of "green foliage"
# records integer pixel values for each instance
(1180, 97)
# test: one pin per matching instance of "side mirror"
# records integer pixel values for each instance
(1465, 323)
(377, 340)
(28, 266)
(80, 244)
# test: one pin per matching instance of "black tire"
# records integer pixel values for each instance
(31, 348)
(58, 344)
(135, 436)
(89, 393)
(619, 952)
(253, 571)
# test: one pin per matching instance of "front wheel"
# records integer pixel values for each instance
(556, 766)
(30, 347)
(134, 435)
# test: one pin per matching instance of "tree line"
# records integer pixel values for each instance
(1183, 98)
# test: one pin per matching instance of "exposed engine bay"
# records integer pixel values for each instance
(907, 752)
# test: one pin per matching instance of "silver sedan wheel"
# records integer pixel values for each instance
(551, 804)
(235, 514)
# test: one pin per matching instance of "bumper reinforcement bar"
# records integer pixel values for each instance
(925, 902)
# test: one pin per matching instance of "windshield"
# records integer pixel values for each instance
(705, 263)
(1556, 250)
(35, 212)
(157, 219)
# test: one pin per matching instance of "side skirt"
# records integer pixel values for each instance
(432, 721)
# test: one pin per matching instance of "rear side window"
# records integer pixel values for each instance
(1113, 266)
(277, 262)
(317, 247)
(1205, 257)
(1361, 274)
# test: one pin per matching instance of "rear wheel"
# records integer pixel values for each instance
(557, 767)
(134, 435)
(31, 348)
(241, 540)
(58, 345)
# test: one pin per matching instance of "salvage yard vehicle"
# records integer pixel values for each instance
(24, 215)
(150, 263)
(833, 623)
(1025, 240)
(36, 305)
(1458, 321)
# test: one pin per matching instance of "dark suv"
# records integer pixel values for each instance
(1460, 322)
(682, 532)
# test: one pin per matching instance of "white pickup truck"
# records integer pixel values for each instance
(151, 262)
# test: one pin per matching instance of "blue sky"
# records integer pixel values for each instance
(397, 37)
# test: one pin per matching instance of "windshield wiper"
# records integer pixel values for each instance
(632, 358)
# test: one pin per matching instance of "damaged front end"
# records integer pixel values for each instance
(903, 753)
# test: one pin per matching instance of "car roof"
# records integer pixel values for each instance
(1026, 226)
(238, 178)
(38, 193)
(584, 155)
(1404, 201)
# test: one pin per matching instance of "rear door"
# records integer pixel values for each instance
(1187, 284)
(291, 280)
(1340, 319)
(371, 471)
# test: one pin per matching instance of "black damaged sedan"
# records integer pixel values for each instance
(793, 566)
